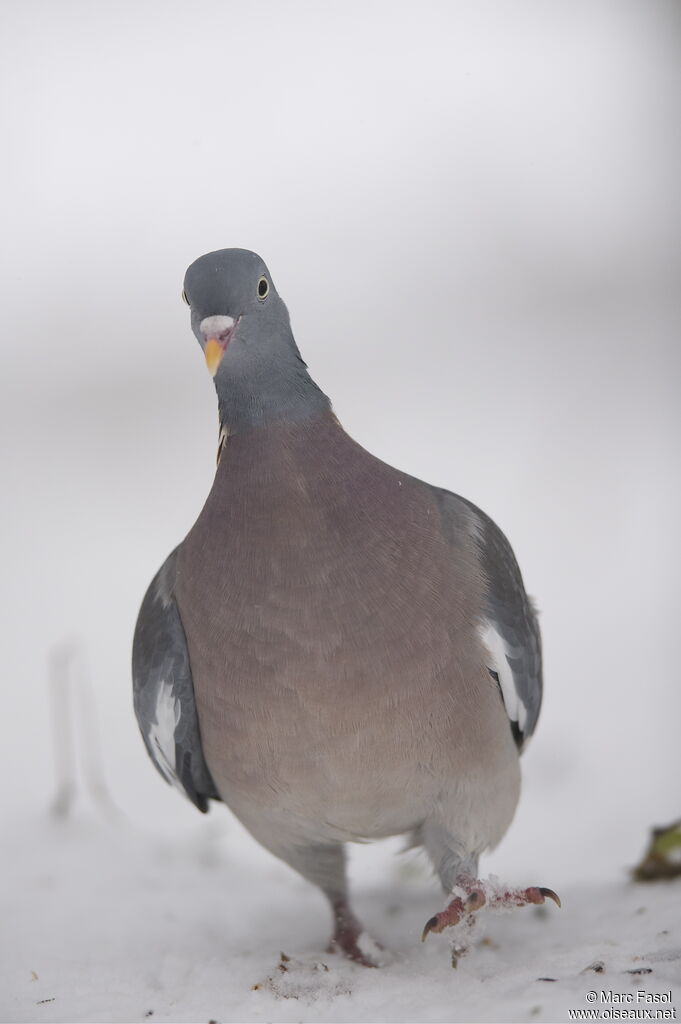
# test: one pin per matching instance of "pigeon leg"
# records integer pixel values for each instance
(474, 895)
(349, 938)
(522, 897)
(458, 875)
(461, 907)
(324, 866)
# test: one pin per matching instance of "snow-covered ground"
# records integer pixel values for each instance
(119, 923)
(473, 213)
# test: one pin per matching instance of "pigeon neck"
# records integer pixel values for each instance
(282, 393)
(282, 454)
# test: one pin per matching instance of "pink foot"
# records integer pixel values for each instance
(475, 897)
(350, 939)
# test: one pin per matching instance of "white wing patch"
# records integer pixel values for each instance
(162, 732)
(498, 662)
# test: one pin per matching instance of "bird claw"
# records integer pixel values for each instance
(476, 898)
(431, 926)
(535, 894)
(550, 894)
(452, 914)
(474, 901)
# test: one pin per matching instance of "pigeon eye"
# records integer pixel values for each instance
(184, 297)
(263, 288)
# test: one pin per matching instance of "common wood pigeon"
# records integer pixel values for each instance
(337, 650)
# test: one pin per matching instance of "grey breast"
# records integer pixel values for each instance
(331, 625)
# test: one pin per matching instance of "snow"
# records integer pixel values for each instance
(107, 920)
(472, 213)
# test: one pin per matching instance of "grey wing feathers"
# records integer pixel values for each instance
(510, 629)
(163, 691)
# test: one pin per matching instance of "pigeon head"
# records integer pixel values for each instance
(232, 297)
(244, 330)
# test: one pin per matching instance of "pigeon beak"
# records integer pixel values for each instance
(217, 331)
(214, 351)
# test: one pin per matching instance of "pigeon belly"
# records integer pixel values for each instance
(338, 674)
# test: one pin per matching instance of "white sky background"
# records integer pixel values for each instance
(472, 211)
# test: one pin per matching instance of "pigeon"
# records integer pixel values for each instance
(337, 650)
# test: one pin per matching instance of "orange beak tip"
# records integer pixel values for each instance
(213, 353)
